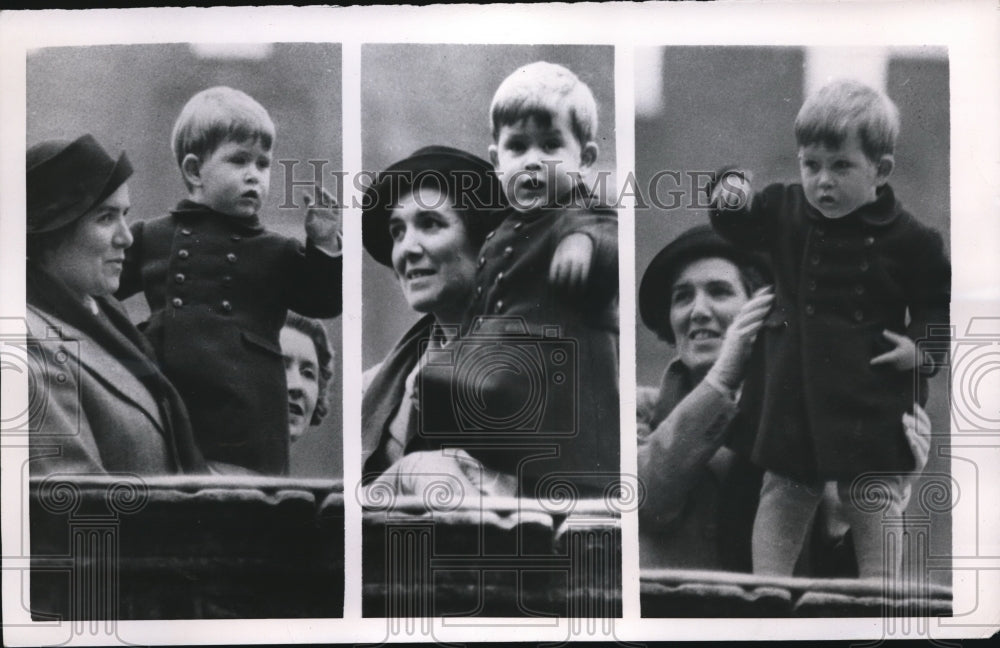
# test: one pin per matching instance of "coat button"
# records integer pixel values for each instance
(177, 302)
(179, 277)
(491, 234)
(226, 306)
(183, 254)
(498, 306)
(864, 266)
(859, 290)
(858, 315)
(518, 225)
(231, 257)
(185, 231)
(236, 238)
(227, 279)
(869, 241)
(499, 276)
(479, 290)
(508, 251)
(810, 309)
(814, 259)
(482, 261)
(812, 284)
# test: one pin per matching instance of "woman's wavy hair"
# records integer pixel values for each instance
(314, 329)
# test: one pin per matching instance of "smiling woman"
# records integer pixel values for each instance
(426, 219)
(103, 405)
(308, 372)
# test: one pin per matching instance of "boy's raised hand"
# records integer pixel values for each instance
(733, 190)
(323, 221)
(571, 262)
(902, 356)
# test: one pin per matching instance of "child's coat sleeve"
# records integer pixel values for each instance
(315, 281)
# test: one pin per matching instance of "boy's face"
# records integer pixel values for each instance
(235, 178)
(539, 163)
(839, 180)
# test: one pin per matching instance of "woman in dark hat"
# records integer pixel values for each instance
(708, 300)
(425, 218)
(98, 401)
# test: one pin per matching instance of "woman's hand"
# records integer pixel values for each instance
(571, 262)
(917, 427)
(730, 366)
(322, 222)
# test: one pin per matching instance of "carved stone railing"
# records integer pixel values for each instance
(121, 547)
(124, 547)
(503, 557)
(690, 593)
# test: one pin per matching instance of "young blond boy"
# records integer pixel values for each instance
(219, 284)
(850, 264)
(552, 268)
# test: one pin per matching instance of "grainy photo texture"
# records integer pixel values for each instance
(184, 290)
(490, 411)
(794, 291)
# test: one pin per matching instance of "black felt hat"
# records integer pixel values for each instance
(469, 181)
(698, 242)
(67, 179)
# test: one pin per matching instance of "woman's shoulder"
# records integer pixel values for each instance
(369, 375)
(43, 325)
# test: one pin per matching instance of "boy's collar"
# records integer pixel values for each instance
(884, 210)
(190, 209)
(578, 197)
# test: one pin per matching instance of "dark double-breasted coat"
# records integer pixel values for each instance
(826, 411)
(563, 428)
(219, 289)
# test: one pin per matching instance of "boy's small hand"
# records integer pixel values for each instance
(570, 267)
(902, 357)
(323, 221)
(733, 191)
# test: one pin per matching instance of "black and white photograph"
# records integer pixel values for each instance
(184, 279)
(491, 324)
(793, 292)
(540, 322)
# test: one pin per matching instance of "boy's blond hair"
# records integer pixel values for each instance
(217, 115)
(541, 90)
(831, 114)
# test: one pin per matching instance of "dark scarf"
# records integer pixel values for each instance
(385, 393)
(115, 333)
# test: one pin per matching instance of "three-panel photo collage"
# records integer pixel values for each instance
(274, 312)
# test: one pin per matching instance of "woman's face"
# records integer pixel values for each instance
(302, 376)
(704, 299)
(90, 261)
(434, 261)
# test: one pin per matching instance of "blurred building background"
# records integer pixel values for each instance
(420, 95)
(702, 108)
(128, 97)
